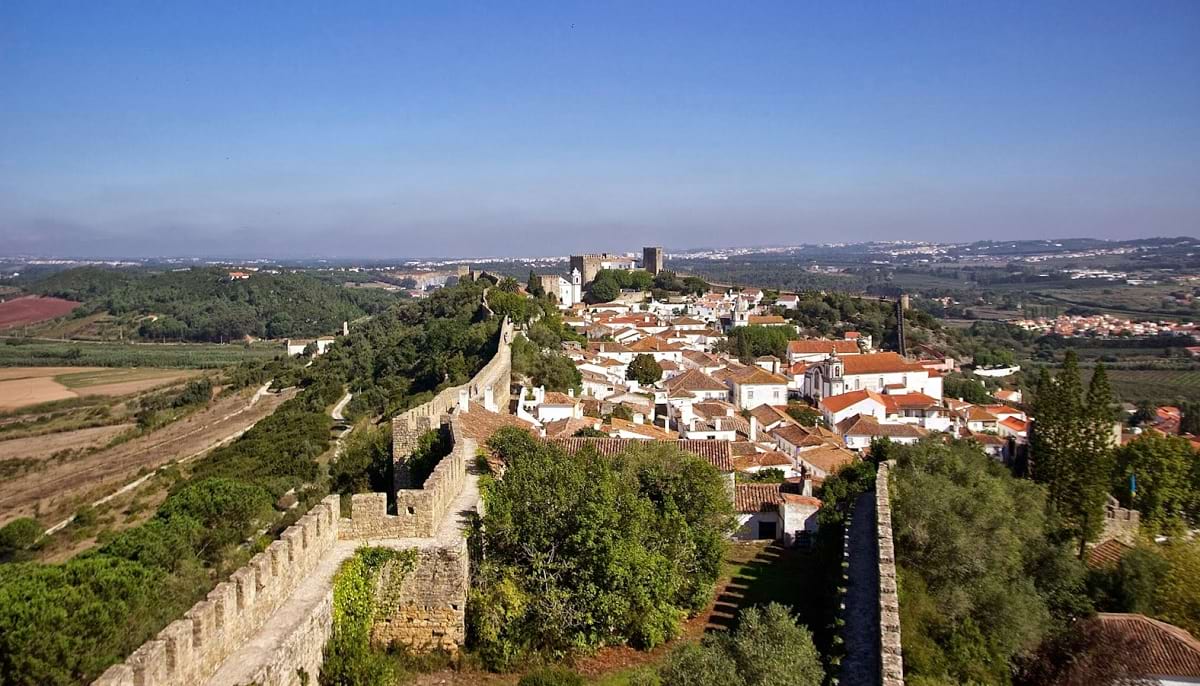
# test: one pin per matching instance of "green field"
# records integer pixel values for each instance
(1160, 386)
(113, 375)
(37, 353)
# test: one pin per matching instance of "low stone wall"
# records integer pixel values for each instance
(425, 609)
(419, 511)
(189, 650)
(891, 659)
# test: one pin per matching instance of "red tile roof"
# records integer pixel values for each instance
(865, 425)
(757, 497)
(1151, 647)
(813, 346)
(695, 380)
(1107, 554)
(879, 363)
(837, 403)
(828, 458)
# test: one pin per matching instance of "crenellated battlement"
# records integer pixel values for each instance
(189, 650)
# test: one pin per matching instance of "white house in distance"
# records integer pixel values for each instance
(752, 386)
(296, 346)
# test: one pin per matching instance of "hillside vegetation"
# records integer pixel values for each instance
(204, 304)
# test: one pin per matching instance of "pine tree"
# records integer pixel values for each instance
(1095, 459)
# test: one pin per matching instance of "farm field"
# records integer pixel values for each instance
(26, 386)
(1160, 386)
(41, 447)
(25, 352)
(54, 488)
(31, 309)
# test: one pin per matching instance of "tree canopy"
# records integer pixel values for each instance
(620, 550)
(981, 579)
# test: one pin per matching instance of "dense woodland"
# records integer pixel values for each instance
(204, 304)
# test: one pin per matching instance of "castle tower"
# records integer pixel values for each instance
(652, 260)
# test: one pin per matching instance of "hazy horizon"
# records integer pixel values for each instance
(291, 130)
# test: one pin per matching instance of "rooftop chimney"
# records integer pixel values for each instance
(464, 401)
(489, 401)
(753, 428)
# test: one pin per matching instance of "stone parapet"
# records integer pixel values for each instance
(891, 666)
(425, 609)
(189, 650)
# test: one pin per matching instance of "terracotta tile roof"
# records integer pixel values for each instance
(1107, 554)
(654, 344)
(686, 321)
(648, 430)
(695, 380)
(607, 347)
(716, 453)
(798, 369)
(797, 435)
(557, 398)
(1152, 648)
(828, 458)
(769, 414)
(986, 439)
(763, 319)
(757, 497)
(910, 401)
(1014, 424)
(797, 499)
(813, 346)
(479, 423)
(978, 414)
(757, 376)
(714, 408)
(702, 358)
(567, 427)
(865, 425)
(768, 460)
(879, 363)
(837, 403)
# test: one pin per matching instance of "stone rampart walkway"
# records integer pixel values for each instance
(861, 664)
(305, 603)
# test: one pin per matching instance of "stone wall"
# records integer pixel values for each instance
(425, 609)
(189, 650)
(419, 511)
(409, 426)
(891, 660)
(1120, 523)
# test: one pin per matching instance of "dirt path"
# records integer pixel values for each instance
(57, 492)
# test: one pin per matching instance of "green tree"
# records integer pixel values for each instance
(603, 290)
(1071, 447)
(534, 286)
(18, 536)
(768, 648)
(1160, 467)
(644, 370)
(981, 579)
(620, 550)
(1189, 423)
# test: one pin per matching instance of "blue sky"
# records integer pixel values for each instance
(394, 129)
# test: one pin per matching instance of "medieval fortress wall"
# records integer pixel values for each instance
(425, 608)
(891, 661)
(189, 650)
